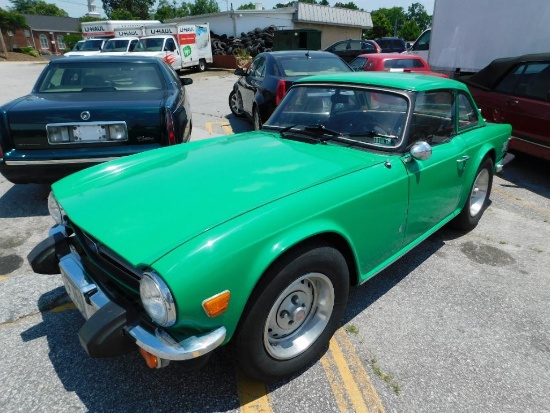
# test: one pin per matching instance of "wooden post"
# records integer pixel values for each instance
(3, 44)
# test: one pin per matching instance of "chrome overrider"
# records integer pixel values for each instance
(159, 342)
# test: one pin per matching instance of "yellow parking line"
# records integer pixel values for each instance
(349, 383)
(2, 278)
(63, 307)
(543, 211)
(360, 374)
(226, 127)
(252, 395)
(335, 383)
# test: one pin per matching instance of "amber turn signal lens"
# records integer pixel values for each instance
(217, 304)
(150, 359)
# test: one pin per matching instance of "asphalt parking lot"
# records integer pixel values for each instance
(460, 324)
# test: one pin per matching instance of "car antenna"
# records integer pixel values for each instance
(307, 55)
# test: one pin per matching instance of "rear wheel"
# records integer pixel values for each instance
(293, 313)
(202, 65)
(257, 121)
(478, 200)
(235, 104)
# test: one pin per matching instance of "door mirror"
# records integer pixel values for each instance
(239, 71)
(421, 151)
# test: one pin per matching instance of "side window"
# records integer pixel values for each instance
(433, 117)
(258, 68)
(423, 43)
(132, 45)
(508, 83)
(538, 83)
(467, 113)
(170, 45)
(355, 45)
(340, 46)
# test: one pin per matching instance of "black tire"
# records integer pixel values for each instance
(303, 296)
(478, 198)
(235, 105)
(202, 65)
(256, 119)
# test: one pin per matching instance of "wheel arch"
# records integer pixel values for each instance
(480, 156)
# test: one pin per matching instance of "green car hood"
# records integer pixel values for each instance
(145, 205)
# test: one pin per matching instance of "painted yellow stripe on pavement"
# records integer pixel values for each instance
(252, 395)
(543, 211)
(3, 278)
(335, 382)
(226, 127)
(349, 383)
(360, 374)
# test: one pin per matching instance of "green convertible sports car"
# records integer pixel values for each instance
(252, 240)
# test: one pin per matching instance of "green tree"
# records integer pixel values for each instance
(37, 7)
(166, 10)
(10, 21)
(138, 9)
(248, 6)
(409, 30)
(70, 40)
(381, 26)
(283, 5)
(123, 15)
(324, 3)
(349, 5)
(417, 13)
(203, 7)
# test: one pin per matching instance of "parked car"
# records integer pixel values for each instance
(263, 85)
(254, 240)
(516, 90)
(393, 62)
(391, 44)
(349, 49)
(86, 110)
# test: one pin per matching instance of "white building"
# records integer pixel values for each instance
(334, 23)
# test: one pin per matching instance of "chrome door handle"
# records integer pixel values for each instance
(463, 159)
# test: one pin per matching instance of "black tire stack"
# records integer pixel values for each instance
(254, 42)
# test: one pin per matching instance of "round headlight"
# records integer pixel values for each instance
(55, 209)
(157, 299)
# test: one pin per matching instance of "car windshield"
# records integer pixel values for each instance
(303, 66)
(365, 116)
(115, 46)
(149, 45)
(100, 77)
(91, 45)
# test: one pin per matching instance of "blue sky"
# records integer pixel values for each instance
(78, 8)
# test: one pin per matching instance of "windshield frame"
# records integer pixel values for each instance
(379, 141)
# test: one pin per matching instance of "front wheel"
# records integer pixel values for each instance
(478, 200)
(235, 104)
(292, 314)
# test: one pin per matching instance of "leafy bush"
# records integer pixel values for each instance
(30, 51)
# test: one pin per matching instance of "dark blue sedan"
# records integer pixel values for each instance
(86, 110)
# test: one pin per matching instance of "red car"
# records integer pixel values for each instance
(516, 90)
(393, 62)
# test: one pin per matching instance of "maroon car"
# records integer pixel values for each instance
(393, 62)
(516, 90)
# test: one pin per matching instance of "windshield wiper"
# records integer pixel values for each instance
(310, 133)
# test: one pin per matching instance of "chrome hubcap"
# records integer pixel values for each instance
(479, 192)
(299, 316)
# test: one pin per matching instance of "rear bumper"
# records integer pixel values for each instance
(108, 331)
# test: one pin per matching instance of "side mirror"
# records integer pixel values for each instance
(239, 71)
(186, 81)
(421, 151)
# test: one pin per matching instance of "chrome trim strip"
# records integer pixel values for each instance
(61, 161)
(531, 142)
(164, 346)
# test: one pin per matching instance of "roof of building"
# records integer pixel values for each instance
(52, 23)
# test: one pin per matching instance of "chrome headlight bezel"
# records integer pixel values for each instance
(157, 299)
(55, 210)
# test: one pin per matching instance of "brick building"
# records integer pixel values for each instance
(45, 34)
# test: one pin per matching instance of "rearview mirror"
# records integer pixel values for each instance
(239, 71)
(186, 81)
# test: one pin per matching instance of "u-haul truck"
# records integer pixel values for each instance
(181, 45)
(97, 33)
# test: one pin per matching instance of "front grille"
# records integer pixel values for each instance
(125, 278)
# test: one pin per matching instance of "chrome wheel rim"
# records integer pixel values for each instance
(299, 316)
(236, 105)
(479, 192)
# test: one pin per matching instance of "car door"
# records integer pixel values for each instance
(522, 99)
(251, 84)
(435, 184)
(173, 56)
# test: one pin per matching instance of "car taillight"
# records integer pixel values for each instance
(1, 153)
(280, 92)
(170, 128)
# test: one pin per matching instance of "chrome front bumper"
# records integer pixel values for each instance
(89, 299)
